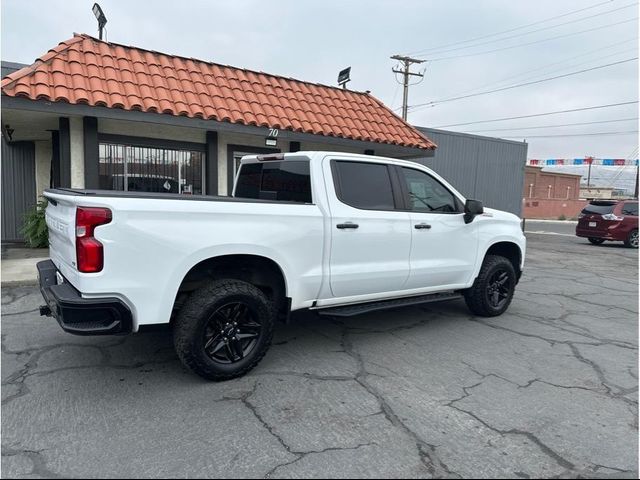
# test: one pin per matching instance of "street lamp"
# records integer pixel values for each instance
(100, 16)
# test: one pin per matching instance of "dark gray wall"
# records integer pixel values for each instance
(483, 168)
(10, 67)
(18, 187)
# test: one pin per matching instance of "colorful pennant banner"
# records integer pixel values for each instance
(611, 162)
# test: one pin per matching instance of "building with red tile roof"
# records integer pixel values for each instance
(87, 71)
(96, 114)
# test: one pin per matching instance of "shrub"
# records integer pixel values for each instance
(562, 217)
(34, 229)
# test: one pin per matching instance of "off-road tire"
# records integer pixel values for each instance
(596, 241)
(632, 239)
(477, 298)
(192, 320)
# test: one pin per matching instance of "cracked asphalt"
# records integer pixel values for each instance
(550, 389)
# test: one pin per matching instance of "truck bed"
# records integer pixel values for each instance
(158, 196)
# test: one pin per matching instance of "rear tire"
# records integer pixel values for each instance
(632, 239)
(224, 329)
(596, 241)
(493, 289)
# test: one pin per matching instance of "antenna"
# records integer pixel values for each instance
(100, 16)
(344, 77)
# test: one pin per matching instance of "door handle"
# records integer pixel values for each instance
(347, 225)
(422, 226)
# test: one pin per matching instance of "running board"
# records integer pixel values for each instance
(357, 309)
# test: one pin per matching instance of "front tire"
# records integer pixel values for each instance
(224, 329)
(493, 289)
(632, 239)
(596, 241)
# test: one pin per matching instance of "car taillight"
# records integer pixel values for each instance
(89, 250)
(612, 216)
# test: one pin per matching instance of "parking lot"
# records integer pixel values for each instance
(548, 389)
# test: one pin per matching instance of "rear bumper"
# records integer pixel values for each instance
(77, 315)
(612, 233)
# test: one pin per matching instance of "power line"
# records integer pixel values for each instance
(511, 29)
(553, 126)
(439, 52)
(534, 42)
(561, 62)
(540, 114)
(523, 84)
(576, 135)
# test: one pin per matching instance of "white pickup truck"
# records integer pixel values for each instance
(338, 233)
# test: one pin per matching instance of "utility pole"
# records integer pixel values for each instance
(406, 62)
(635, 195)
(589, 161)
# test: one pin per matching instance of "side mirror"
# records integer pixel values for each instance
(471, 209)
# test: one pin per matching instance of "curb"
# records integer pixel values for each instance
(539, 220)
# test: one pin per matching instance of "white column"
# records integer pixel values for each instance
(76, 134)
(222, 165)
(43, 166)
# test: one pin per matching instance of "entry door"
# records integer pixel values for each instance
(370, 240)
(443, 247)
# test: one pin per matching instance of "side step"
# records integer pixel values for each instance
(357, 309)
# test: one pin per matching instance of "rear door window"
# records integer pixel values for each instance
(598, 209)
(363, 185)
(287, 181)
(630, 208)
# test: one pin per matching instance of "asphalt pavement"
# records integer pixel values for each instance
(549, 389)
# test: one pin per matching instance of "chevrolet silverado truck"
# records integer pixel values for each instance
(338, 233)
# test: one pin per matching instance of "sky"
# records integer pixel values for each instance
(313, 41)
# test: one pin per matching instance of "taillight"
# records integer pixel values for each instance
(89, 250)
(612, 216)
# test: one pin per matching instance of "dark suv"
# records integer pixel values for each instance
(610, 220)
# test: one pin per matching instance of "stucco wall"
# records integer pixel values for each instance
(76, 137)
(43, 166)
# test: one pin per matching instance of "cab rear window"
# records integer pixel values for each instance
(598, 208)
(287, 181)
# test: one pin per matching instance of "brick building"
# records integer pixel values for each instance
(551, 194)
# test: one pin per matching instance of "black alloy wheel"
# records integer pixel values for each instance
(499, 288)
(231, 333)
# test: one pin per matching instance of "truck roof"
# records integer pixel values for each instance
(317, 155)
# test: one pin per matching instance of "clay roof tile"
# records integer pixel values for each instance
(86, 70)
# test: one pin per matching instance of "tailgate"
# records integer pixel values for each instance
(61, 222)
(593, 223)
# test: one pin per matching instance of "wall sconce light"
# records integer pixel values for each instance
(7, 133)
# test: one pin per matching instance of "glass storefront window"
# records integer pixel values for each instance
(150, 169)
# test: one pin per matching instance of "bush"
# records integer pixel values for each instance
(562, 217)
(34, 229)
